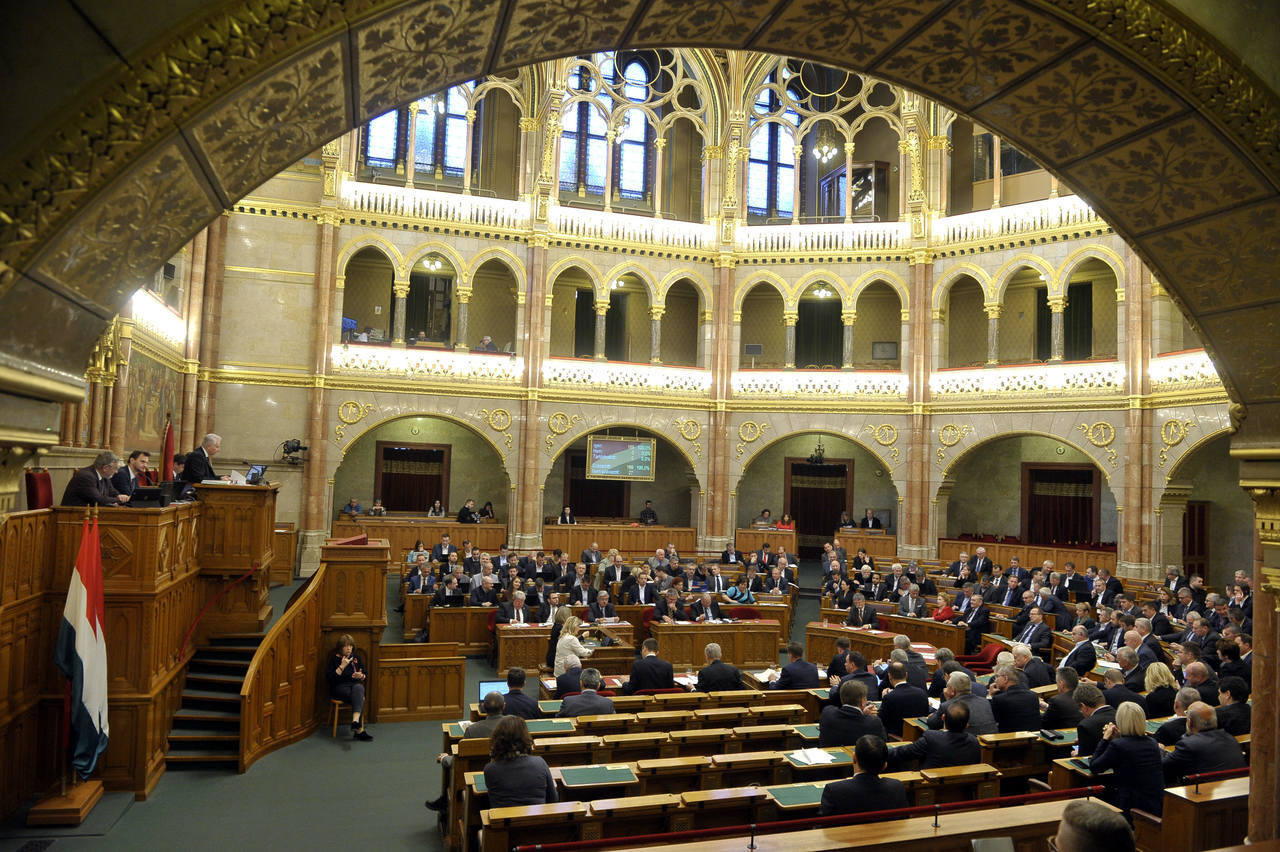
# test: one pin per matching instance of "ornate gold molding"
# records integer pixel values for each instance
(948, 436)
(691, 431)
(350, 413)
(748, 433)
(499, 420)
(1102, 435)
(558, 424)
(1173, 433)
(886, 435)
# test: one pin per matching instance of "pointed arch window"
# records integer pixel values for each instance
(771, 166)
(583, 143)
(439, 139)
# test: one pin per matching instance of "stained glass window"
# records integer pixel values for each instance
(771, 168)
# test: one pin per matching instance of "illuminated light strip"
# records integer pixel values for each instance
(1103, 378)
(818, 383)
(156, 317)
(602, 374)
(425, 364)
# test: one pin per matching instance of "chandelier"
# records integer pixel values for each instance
(824, 148)
(432, 263)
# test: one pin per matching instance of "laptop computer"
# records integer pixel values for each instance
(255, 474)
(487, 686)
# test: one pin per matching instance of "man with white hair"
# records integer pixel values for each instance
(198, 467)
(1204, 748)
(1082, 657)
(1033, 667)
(911, 604)
(959, 689)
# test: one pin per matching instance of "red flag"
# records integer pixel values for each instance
(166, 454)
(81, 654)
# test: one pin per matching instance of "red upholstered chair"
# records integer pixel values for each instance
(493, 638)
(981, 662)
(646, 618)
(39, 489)
(607, 693)
(743, 612)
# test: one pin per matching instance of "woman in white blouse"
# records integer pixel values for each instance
(568, 646)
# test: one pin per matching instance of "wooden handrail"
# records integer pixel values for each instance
(254, 692)
(182, 650)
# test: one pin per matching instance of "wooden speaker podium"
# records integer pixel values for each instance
(236, 532)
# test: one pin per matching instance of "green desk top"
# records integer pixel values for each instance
(1081, 765)
(1153, 726)
(478, 784)
(821, 692)
(546, 726)
(594, 776)
(809, 732)
(1069, 738)
(921, 722)
(841, 757)
(796, 795)
(552, 707)
(984, 679)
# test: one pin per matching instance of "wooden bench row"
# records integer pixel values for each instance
(809, 701)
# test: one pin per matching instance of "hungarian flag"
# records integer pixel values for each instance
(166, 454)
(81, 654)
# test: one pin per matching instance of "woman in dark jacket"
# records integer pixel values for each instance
(1161, 690)
(1125, 747)
(346, 676)
(514, 775)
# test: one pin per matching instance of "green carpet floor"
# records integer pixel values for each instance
(318, 794)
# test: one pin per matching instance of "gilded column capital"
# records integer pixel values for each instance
(464, 296)
(848, 317)
(602, 308)
(414, 108)
(993, 311)
(712, 152)
(848, 149)
(528, 125)
(471, 116)
(1058, 304)
(939, 143)
(789, 318)
(656, 311)
(660, 143)
(400, 289)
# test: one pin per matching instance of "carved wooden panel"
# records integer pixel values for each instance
(423, 688)
(403, 532)
(630, 541)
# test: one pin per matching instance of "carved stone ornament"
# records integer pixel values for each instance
(1173, 433)
(558, 424)
(499, 420)
(691, 431)
(950, 435)
(886, 435)
(351, 413)
(748, 433)
(1101, 434)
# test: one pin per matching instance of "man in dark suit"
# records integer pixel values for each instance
(1037, 672)
(1204, 748)
(1061, 710)
(877, 590)
(952, 746)
(1131, 670)
(959, 690)
(1234, 714)
(198, 467)
(730, 555)
(866, 790)
(642, 592)
(132, 473)
(1036, 634)
(571, 680)
(869, 521)
(716, 582)
(484, 594)
(911, 603)
(716, 675)
(519, 704)
(797, 674)
(588, 702)
(962, 561)
(1159, 622)
(1082, 657)
(979, 563)
(705, 609)
(1010, 594)
(1055, 611)
(592, 555)
(1097, 714)
(844, 725)
(1172, 730)
(650, 671)
(976, 622)
(1173, 579)
(861, 615)
(669, 609)
(901, 701)
(1117, 692)
(601, 608)
(91, 486)
(856, 670)
(514, 611)
(440, 552)
(1016, 708)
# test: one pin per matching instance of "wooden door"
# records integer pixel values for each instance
(1195, 538)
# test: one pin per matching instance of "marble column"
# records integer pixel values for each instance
(464, 301)
(120, 394)
(797, 152)
(847, 319)
(210, 327)
(96, 397)
(790, 318)
(993, 334)
(914, 526)
(315, 495)
(602, 309)
(1167, 549)
(1057, 335)
(466, 170)
(525, 531)
(400, 289)
(1260, 476)
(659, 145)
(411, 158)
(609, 136)
(995, 172)
(848, 182)
(655, 333)
(185, 425)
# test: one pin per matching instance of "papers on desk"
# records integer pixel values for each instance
(822, 674)
(812, 756)
(550, 684)
(463, 724)
(765, 676)
(687, 682)
(935, 703)
(1104, 664)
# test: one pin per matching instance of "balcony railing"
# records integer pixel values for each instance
(451, 207)
(865, 237)
(1047, 215)
(1183, 371)
(614, 376)
(826, 384)
(596, 225)
(425, 364)
(1085, 378)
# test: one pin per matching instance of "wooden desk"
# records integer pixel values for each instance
(880, 546)
(466, 625)
(1030, 827)
(525, 647)
(939, 634)
(415, 615)
(1216, 815)
(750, 644)
(1031, 555)
(403, 530)
(747, 540)
(631, 541)
(820, 642)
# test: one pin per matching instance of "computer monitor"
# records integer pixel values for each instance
(148, 495)
(487, 686)
(255, 474)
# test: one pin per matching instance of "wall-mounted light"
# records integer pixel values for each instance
(432, 263)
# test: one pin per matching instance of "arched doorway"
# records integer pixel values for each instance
(761, 332)
(673, 489)
(412, 460)
(1206, 518)
(877, 332)
(1035, 489)
(681, 320)
(368, 297)
(785, 478)
(819, 330)
(966, 325)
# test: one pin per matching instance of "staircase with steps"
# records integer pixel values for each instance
(206, 728)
